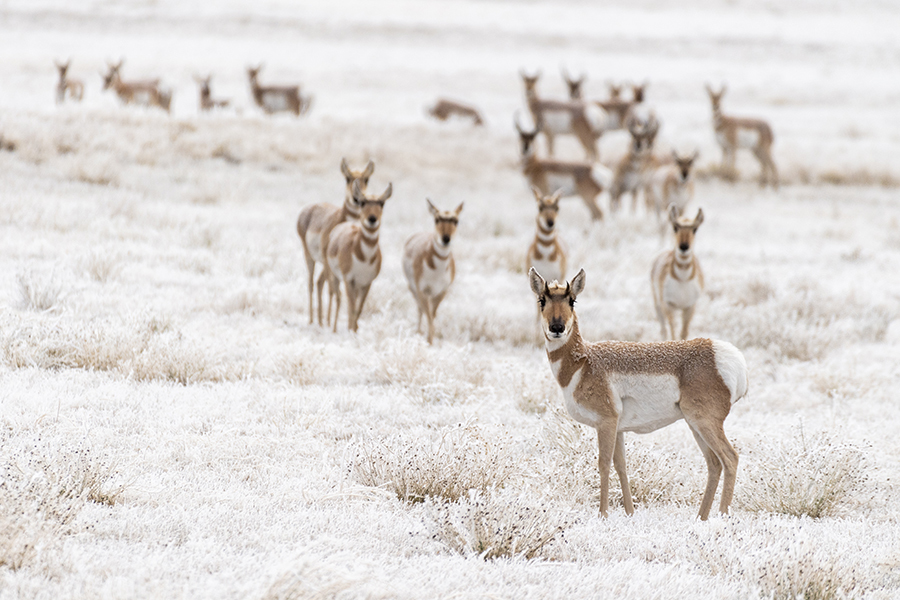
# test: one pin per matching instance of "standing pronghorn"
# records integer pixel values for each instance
(617, 109)
(632, 171)
(734, 132)
(314, 227)
(277, 98)
(207, 102)
(676, 277)
(145, 92)
(73, 87)
(616, 387)
(354, 256)
(556, 117)
(547, 254)
(428, 264)
(671, 184)
(570, 179)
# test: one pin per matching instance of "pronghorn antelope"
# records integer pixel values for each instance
(145, 92)
(671, 184)
(554, 117)
(207, 102)
(574, 85)
(617, 387)
(617, 110)
(281, 98)
(444, 109)
(547, 254)
(733, 133)
(73, 87)
(676, 277)
(353, 254)
(571, 179)
(314, 227)
(632, 170)
(428, 264)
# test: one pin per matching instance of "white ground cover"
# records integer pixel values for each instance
(171, 426)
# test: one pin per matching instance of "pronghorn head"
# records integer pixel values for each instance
(716, 97)
(685, 230)
(643, 133)
(204, 82)
(62, 68)
(526, 139)
(637, 92)
(352, 175)
(370, 207)
(615, 91)
(530, 81)
(556, 302)
(445, 222)
(253, 73)
(574, 85)
(548, 208)
(112, 75)
(684, 163)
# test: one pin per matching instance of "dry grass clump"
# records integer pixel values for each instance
(448, 465)
(39, 292)
(431, 375)
(499, 524)
(813, 476)
(312, 579)
(102, 264)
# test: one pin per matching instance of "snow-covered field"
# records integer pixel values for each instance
(171, 426)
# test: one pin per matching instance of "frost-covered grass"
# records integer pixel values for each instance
(171, 426)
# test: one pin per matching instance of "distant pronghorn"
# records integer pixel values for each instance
(617, 110)
(671, 184)
(733, 133)
(616, 387)
(73, 87)
(428, 264)
(145, 92)
(571, 179)
(444, 109)
(314, 227)
(353, 254)
(557, 117)
(277, 98)
(676, 277)
(632, 171)
(547, 253)
(207, 102)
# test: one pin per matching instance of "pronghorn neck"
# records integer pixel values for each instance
(545, 236)
(566, 355)
(369, 235)
(438, 249)
(683, 266)
(350, 208)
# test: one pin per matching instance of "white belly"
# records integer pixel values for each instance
(679, 294)
(558, 181)
(435, 281)
(747, 138)
(275, 102)
(314, 243)
(722, 139)
(548, 269)
(646, 402)
(362, 272)
(557, 121)
(143, 97)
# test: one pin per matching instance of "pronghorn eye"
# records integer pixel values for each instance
(543, 302)
(572, 302)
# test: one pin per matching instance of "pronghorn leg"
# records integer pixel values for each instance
(311, 270)
(363, 292)
(714, 436)
(337, 302)
(670, 317)
(319, 285)
(713, 472)
(686, 315)
(589, 197)
(619, 463)
(429, 315)
(606, 442)
(660, 315)
(549, 138)
(352, 314)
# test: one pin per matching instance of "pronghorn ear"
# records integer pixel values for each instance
(673, 214)
(370, 168)
(387, 193)
(432, 209)
(576, 286)
(356, 192)
(537, 193)
(695, 155)
(459, 208)
(538, 285)
(556, 196)
(345, 170)
(698, 219)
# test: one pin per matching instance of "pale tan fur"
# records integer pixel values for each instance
(546, 247)
(66, 85)
(429, 266)
(616, 108)
(539, 172)
(602, 382)
(676, 277)
(633, 169)
(314, 227)
(671, 184)
(207, 102)
(733, 133)
(277, 98)
(146, 92)
(354, 256)
(444, 109)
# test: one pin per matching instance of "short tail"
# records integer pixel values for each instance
(732, 369)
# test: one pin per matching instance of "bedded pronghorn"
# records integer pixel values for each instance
(207, 102)
(616, 387)
(676, 277)
(547, 253)
(671, 184)
(633, 169)
(277, 98)
(733, 133)
(146, 92)
(583, 120)
(353, 254)
(314, 227)
(444, 109)
(428, 264)
(571, 179)
(73, 87)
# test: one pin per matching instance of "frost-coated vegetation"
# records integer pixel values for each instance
(171, 427)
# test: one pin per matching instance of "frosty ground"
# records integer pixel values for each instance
(171, 425)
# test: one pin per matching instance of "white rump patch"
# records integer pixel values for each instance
(732, 369)
(646, 402)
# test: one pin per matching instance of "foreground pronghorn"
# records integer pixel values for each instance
(547, 254)
(145, 92)
(671, 184)
(428, 264)
(354, 256)
(73, 87)
(555, 117)
(570, 179)
(616, 387)
(633, 169)
(207, 102)
(734, 132)
(676, 277)
(277, 98)
(444, 109)
(314, 227)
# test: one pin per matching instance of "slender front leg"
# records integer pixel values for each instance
(606, 442)
(352, 295)
(363, 292)
(686, 315)
(319, 285)
(337, 303)
(619, 462)
(311, 269)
